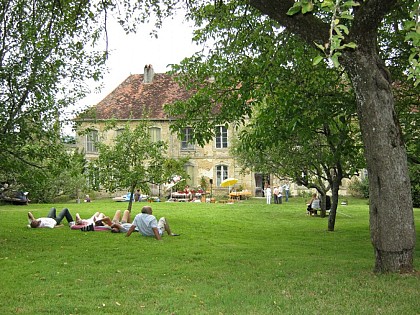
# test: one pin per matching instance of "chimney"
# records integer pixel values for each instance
(148, 74)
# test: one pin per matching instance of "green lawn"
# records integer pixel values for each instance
(244, 258)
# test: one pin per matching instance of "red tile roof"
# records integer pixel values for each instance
(134, 99)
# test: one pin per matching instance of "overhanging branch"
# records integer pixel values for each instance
(306, 26)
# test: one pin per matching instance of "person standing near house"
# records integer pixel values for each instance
(268, 194)
(286, 190)
(276, 194)
(280, 196)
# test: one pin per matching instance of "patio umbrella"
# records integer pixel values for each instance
(228, 182)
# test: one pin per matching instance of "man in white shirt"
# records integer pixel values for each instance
(147, 224)
(286, 191)
(52, 220)
(268, 194)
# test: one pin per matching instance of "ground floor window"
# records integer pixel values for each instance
(221, 174)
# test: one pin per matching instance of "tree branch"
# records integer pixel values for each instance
(367, 19)
(306, 26)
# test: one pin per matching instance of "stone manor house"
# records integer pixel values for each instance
(144, 95)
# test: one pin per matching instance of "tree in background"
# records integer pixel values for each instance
(134, 161)
(305, 125)
(45, 59)
(398, 50)
(33, 38)
(353, 41)
(315, 156)
(347, 33)
(62, 174)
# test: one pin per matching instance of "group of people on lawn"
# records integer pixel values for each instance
(144, 223)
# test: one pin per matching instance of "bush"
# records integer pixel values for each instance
(304, 194)
(359, 187)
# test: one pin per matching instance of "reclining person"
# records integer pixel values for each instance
(96, 219)
(99, 219)
(119, 225)
(52, 220)
(147, 224)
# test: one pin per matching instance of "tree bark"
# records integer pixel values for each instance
(130, 203)
(391, 211)
(334, 204)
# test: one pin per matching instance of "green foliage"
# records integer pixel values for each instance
(304, 130)
(359, 187)
(407, 106)
(242, 264)
(339, 13)
(132, 161)
(44, 169)
(301, 118)
(204, 183)
(135, 161)
(412, 28)
(45, 59)
(415, 183)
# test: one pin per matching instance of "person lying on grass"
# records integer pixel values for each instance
(119, 225)
(116, 225)
(52, 220)
(147, 224)
(96, 219)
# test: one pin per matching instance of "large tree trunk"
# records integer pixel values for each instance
(391, 211)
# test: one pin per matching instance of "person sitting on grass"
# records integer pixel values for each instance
(52, 220)
(147, 224)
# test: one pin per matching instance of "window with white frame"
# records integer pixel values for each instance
(186, 140)
(91, 139)
(221, 174)
(221, 137)
(155, 134)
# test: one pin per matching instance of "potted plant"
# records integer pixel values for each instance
(203, 184)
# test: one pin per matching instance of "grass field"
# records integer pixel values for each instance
(243, 258)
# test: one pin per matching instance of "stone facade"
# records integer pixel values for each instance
(143, 97)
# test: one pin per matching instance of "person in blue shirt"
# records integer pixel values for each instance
(147, 224)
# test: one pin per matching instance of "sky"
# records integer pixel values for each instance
(130, 53)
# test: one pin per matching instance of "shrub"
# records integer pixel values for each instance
(359, 188)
